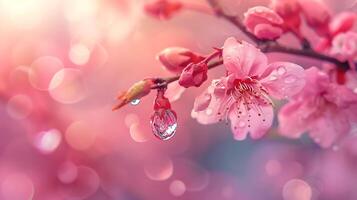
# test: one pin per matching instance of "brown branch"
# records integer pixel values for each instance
(273, 46)
(169, 80)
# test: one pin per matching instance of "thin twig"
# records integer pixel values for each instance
(273, 46)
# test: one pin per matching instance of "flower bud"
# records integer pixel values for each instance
(263, 22)
(162, 9)
(194, 75)
(317, 15)
(342, 22)
(175, 59)
(136, 91)
(289, 11)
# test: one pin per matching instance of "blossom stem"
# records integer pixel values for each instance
(272, 46)
(164, 82)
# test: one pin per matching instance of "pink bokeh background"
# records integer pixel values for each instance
(62, 62)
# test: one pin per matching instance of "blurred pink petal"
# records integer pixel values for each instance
(174, 91)
(344, 46)
(322, 108)
(342, 22)
(317, 14)
(162, 9)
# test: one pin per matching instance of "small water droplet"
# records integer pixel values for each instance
(135, 102)
(209, 111)
(281, 70)
(241, 124)
(273, 78)
(164, 124)
(290, 79)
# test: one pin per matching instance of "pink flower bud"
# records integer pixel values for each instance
(135, 92)
(263, 22)
(175, 59)
(342, 22)
(162, 9)
(317, 14)
(289, 11)
(194, 75)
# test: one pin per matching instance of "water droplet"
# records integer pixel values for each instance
(209, 111)
(135, 102)
(164, 124)
(241, 124)
(281, 70)
(273, 78)
(355, 90)
(290, 79)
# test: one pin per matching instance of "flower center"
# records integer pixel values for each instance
(243, 96)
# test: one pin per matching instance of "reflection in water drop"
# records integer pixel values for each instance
(164, 123)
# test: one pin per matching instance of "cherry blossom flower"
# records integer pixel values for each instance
(243, 96)
(323, 108)
(263, 22)
(341, 23)
(344, 46)
(175, 59)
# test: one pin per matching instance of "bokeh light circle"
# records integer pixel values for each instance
(67, 172)
(137, 133)
(177, 188)
(67, 86)
(17, 186)
(19, 106)
(159, 169)
(297, 189)
(48, 141)
(80, 136)
(79, 54)
(42, 71)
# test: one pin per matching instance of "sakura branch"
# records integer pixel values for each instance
(244, 95)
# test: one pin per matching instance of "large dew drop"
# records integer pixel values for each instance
(164, 123)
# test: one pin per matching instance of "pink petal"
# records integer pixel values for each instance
(267, 31)
(316, 12)
(255, 121)
(283, 79)
(292, 120)
(207, 106)
(342, 22)
(329, 128)
(174, 91)
(243, 59)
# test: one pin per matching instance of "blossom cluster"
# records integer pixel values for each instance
(320, 100)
